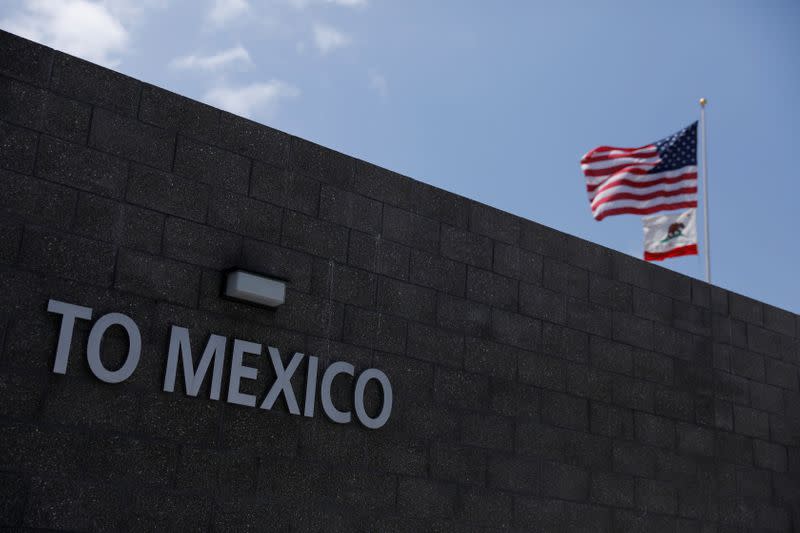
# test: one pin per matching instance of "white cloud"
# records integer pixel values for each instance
(218, 61)
(378, 83)
(224, 11)
(328, 38)
(262, 98)
(79, 27)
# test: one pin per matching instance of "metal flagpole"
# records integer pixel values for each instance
(703, 102)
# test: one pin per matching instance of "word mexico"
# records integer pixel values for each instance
(179, 354)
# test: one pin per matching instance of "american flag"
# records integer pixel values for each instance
(658, 177)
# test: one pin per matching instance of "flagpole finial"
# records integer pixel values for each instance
(703, 102)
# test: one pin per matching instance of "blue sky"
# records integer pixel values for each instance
(496, 101)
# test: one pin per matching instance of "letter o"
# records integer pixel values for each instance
(386, 410)
(96, 337)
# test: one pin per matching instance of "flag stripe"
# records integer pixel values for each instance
(632, 210)
(640, 182)
(640, 188)
(608, 163)
(642, 199)
(611, 150)
(689, 249)
(589, 173)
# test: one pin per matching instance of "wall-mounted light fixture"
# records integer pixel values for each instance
(255, 288)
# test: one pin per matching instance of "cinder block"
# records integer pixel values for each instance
(566, 279)
(141, 229)
(750, 422)
(68, 256)
(634, 459)
(24, 59)
(486, 357)
(311, 314)
(609, 293)
(564, 342)
(615, 490)
(397, 455)
(588, 317)
(343, 283)
(764, 341)
(146, 463)
(589, 383)
(492, 289)
(381, 256)
(695, 440)
(691, 318)
(656, 496)
(97, 217)
(130, 139)
(466, 247)
(678, 343)
(17, 148)
(158, 278)
(10, 240)
(411, 230)
(769, 455)
(564, 481)
(701, 294)
(375, 330)
(515, 399)
(653, 367)
(612, 356)
(406, 300)
(634, 394)
(778, 320)
(781, 374)
(731, 388)
(766, 397)
(81, 167)
(675, 404)
(493, 223)
(465, 316)
(245, 216)
(441, 205)
(459, 464)
(633, 330)
(278, 186)
(655, 430)
(539, 302)
(425, 499)
(34, 200)
(632, 271)
(384, 185)
(745, 309)
(461, 389)
(13, 498)
(174, 112)
(314, 236)
(437, 272)
(66, 119)
(672, 284)
(516, 474)
(563, 410)
(21, 103)
(435, 345)
(748, 365)
(351, 210)
(253, 140)
(211, 165)
(588, 256)
(611, 421)
(491, 508)
(516, 330)
(200, 245)
(542, 240)
(321, 163)
(93, 84)
(542, 371)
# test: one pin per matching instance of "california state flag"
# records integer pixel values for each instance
(670, 235)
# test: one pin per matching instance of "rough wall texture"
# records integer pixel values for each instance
(541, 382)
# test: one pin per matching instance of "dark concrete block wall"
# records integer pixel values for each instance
(542, 383)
